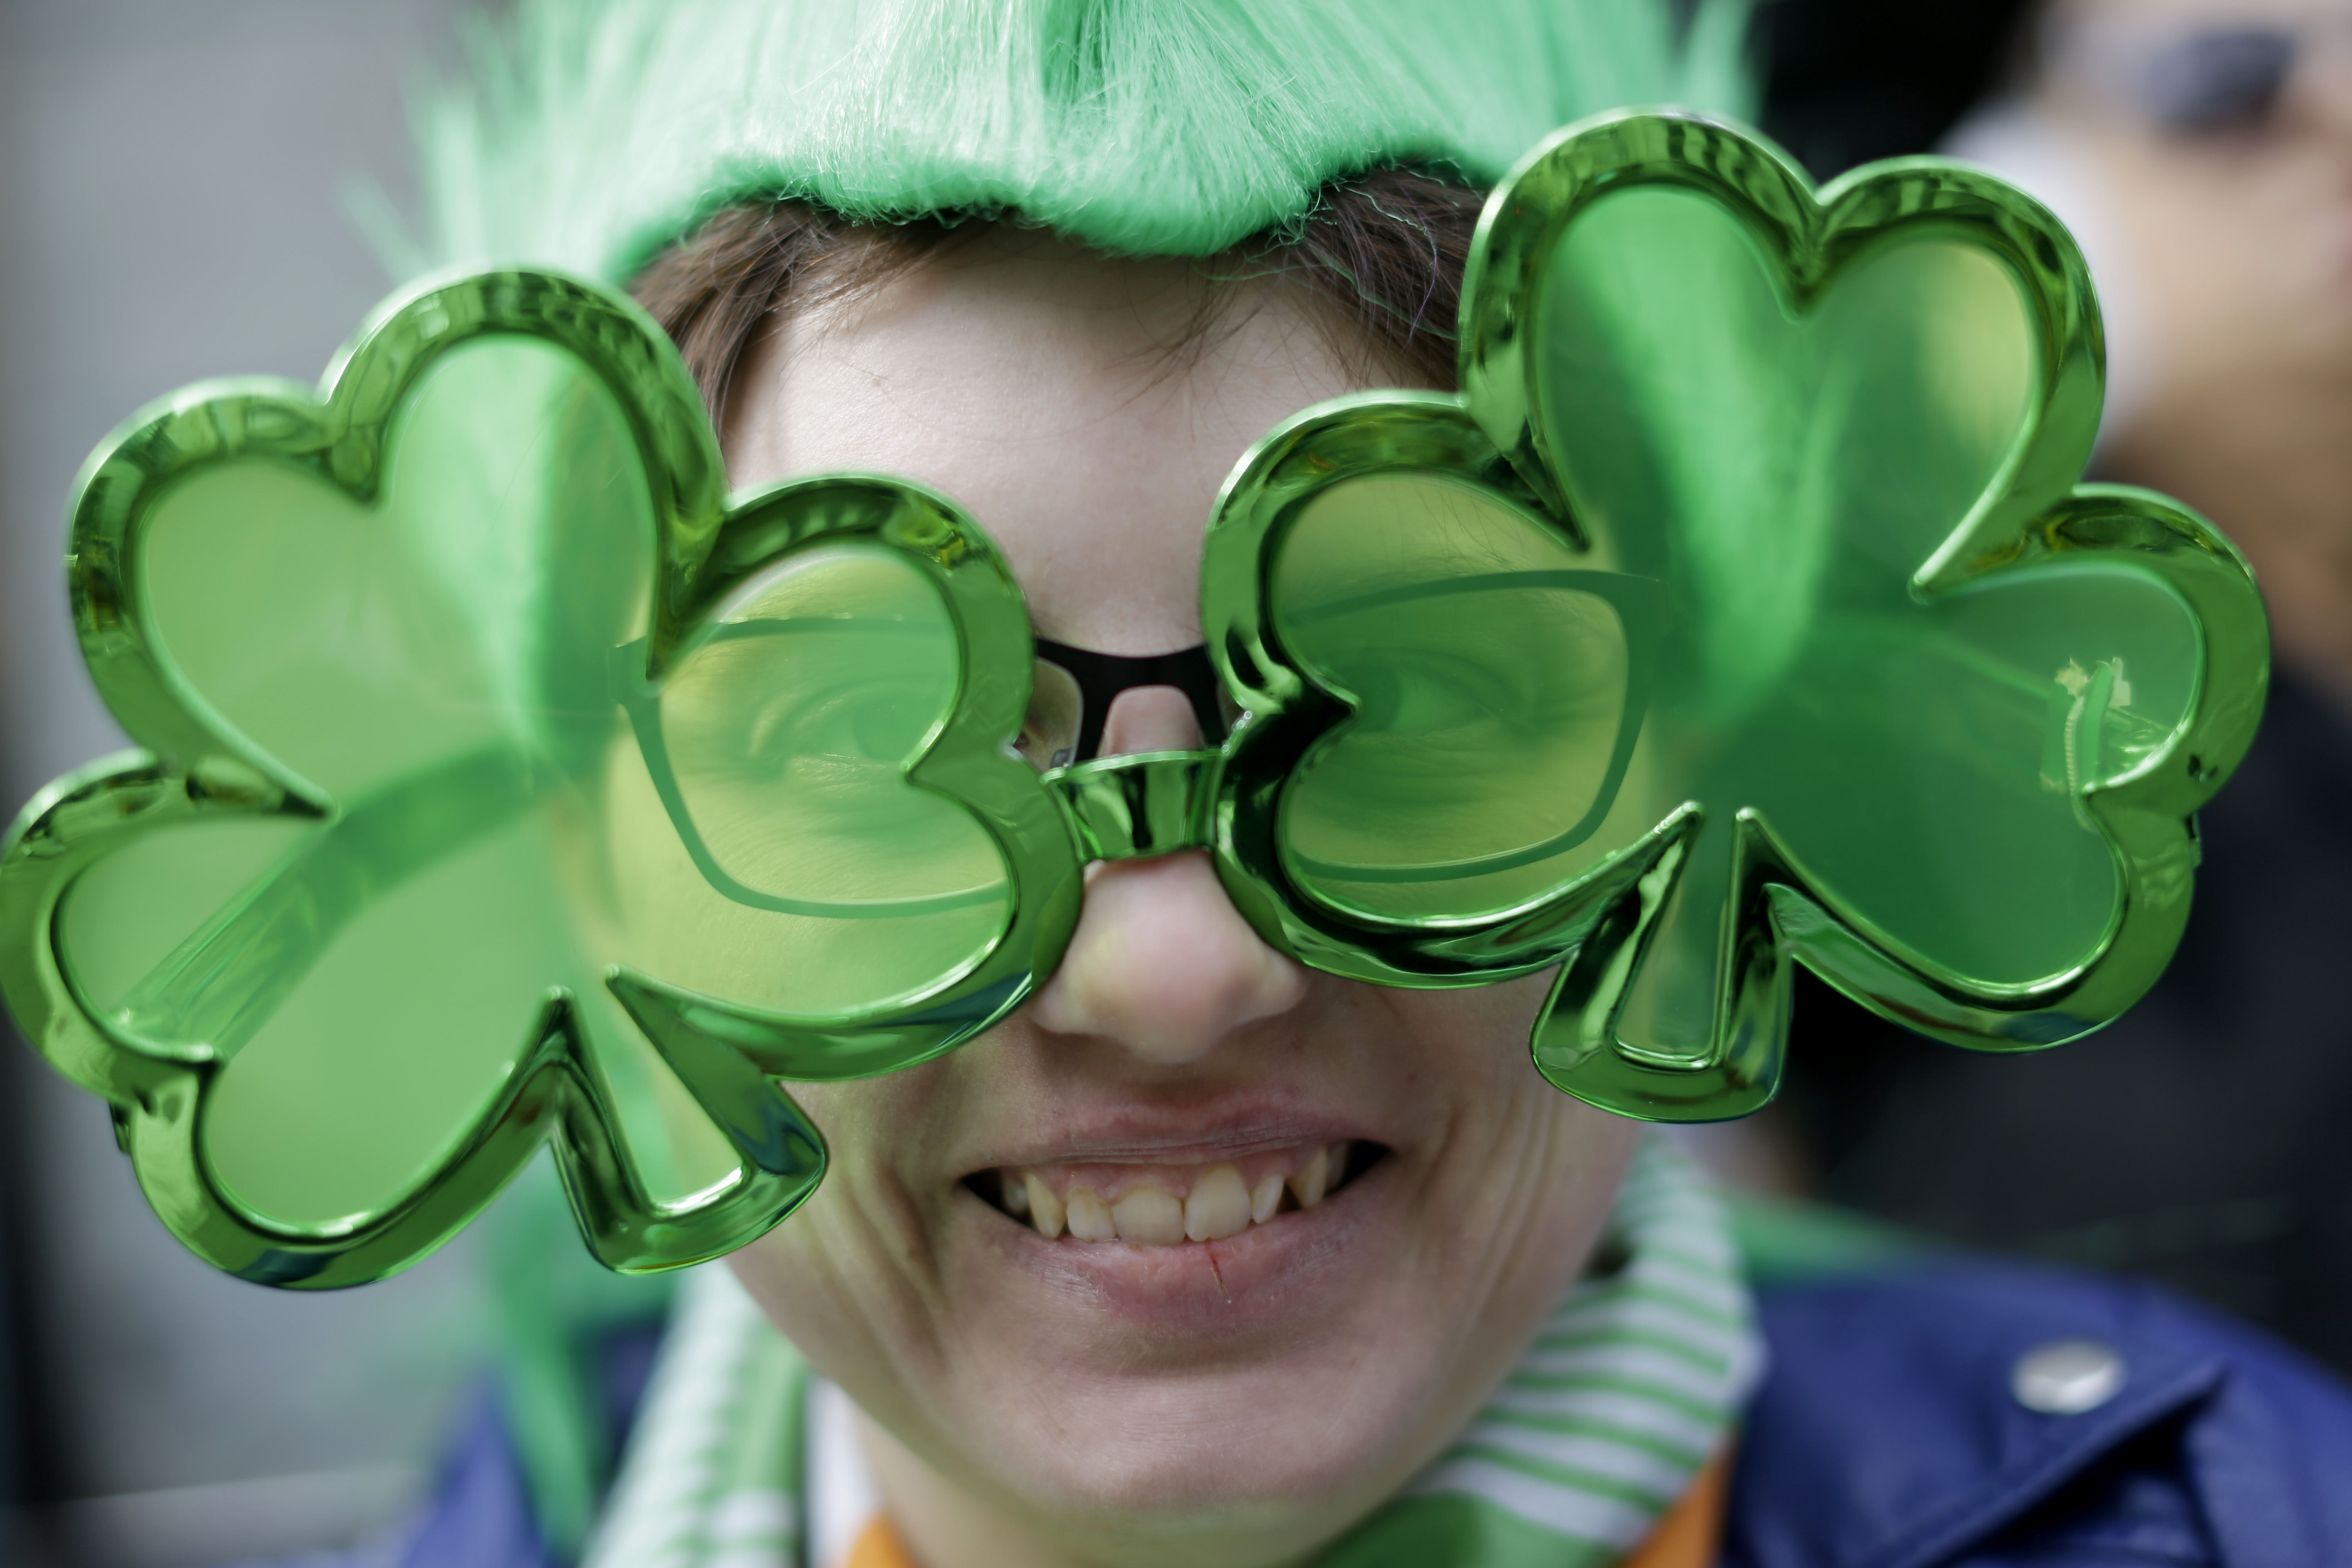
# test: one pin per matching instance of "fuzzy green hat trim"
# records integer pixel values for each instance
(596, 132)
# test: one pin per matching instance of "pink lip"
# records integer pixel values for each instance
(1290, 1265)
(1114, 1305)
(1141, 1136)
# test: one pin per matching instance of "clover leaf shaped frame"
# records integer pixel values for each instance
(1493, 438)
(195, 768)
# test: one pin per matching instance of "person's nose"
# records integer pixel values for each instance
(1161, 963)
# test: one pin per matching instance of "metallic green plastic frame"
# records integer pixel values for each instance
(1350, 438)
(197, 769)
(966, 760)
(1597, 929)
(1491, 437)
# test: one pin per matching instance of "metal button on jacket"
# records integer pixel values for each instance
(2067, 1377)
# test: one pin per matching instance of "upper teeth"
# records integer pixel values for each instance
(1144, 1210)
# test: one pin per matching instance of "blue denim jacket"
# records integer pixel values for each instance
(1888, 1433)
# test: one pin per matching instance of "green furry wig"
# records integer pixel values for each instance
(597, 132)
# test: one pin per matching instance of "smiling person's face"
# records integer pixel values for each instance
(1154, 1398)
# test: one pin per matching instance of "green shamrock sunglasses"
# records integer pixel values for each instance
(506, 782)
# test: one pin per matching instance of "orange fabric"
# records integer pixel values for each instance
(878, 1547)
(1691, 1534)
(1688, 1536)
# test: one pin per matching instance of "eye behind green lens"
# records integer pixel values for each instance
(1491, 676)
(785, 733)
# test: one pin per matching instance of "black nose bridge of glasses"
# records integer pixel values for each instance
(1101, 676)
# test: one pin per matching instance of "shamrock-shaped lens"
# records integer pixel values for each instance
(506, 788)
(370, 971)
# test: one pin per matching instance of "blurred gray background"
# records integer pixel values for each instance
(173, 177)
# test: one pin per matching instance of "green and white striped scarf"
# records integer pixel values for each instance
(1631, 1387)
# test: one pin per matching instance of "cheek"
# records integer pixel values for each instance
(849, 1279)
(1540, 1203)
(1474, 1042)
(1506, 1201)
(1521, 1177)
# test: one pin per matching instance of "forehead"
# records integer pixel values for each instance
(1083, 408)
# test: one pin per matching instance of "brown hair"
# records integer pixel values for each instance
(1384, 254)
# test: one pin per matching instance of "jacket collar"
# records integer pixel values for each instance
(1889, 1432)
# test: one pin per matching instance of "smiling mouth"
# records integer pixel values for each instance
(1168, 1205)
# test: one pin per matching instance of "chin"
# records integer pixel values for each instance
(1310, 1442)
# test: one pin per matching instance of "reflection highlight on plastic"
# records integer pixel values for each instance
(504, 782)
